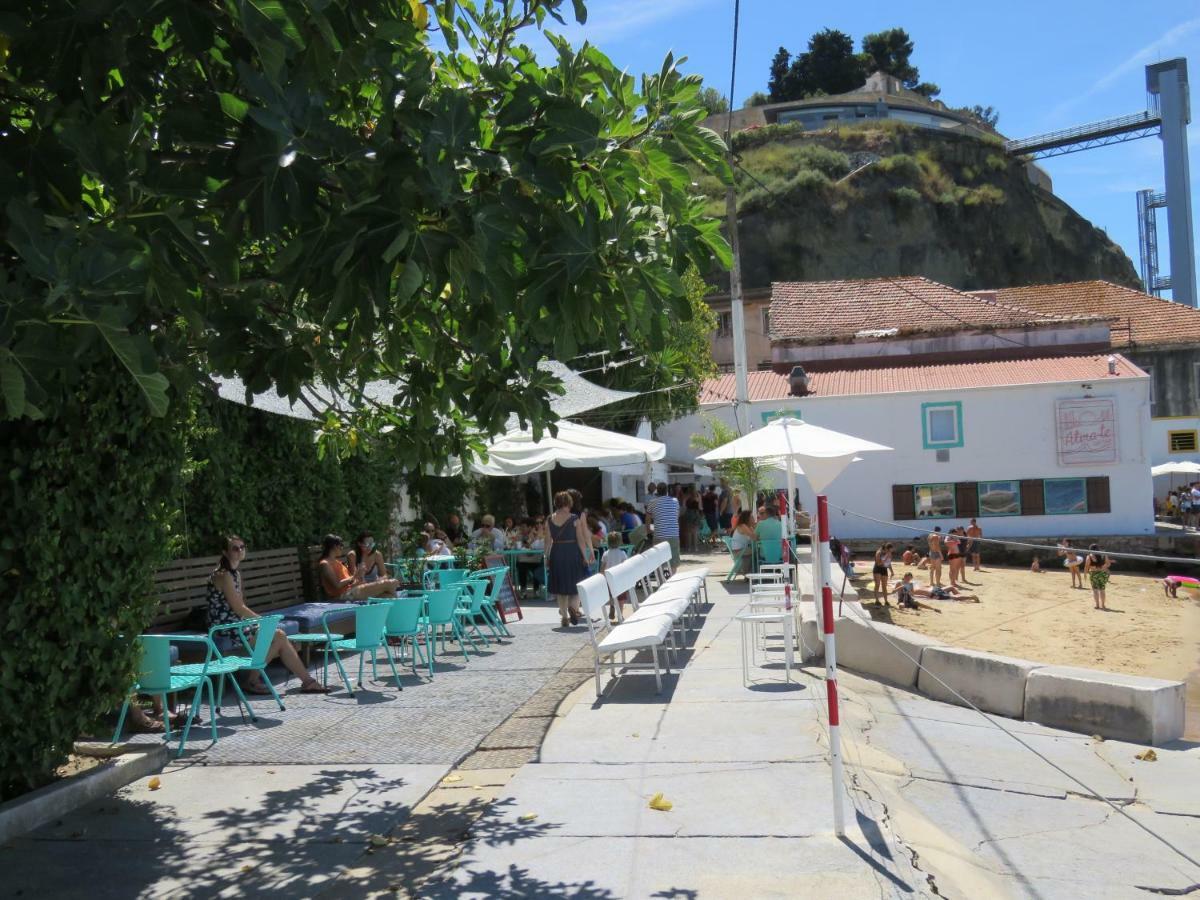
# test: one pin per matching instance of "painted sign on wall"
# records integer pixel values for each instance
(1086, 430)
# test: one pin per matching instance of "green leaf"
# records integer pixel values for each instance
(398, 243)
(233, 106)
(565, 125)
(580, 11)
(137, 355)
(12, 385)
(706, 147)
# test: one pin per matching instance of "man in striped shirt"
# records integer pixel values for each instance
(664, 513)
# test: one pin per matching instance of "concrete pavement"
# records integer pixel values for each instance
(938, 800)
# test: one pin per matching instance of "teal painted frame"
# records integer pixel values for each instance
(916, 488)
(1046, 506)
(941, 445)
(1017, 482)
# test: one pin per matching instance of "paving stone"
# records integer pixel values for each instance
(517, 733)
(499, 759)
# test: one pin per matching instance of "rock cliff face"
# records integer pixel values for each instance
(887, 199)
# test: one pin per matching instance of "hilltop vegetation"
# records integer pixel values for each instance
(885, 198)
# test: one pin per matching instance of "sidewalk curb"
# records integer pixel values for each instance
(31, 811)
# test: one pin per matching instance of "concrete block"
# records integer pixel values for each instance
(995, 684)
(1123, 707)
(885, 651)
(812, 646)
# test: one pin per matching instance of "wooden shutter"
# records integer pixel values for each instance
(966, 499)
(1033, 497)
(1097, 495)
(904, 506)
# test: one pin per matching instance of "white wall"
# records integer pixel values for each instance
(1009, 433)
(1160, 450)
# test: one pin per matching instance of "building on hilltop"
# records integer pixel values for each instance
(881, 98)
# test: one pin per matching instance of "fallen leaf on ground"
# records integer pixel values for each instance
(247, 868)
(527, 817)
(661, 803)
(1147, 756)
(1098, 738)
(154, 783)
(451, 779)
(635, 734)
(378, 840)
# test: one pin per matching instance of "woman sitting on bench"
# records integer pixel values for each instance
(339, 583)
(227, 604)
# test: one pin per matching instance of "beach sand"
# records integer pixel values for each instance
(1037, 616)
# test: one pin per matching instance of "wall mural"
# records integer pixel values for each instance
(1086, 431)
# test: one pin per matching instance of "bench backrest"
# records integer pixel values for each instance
(270, 580)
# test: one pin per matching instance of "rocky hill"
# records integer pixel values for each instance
(889, 199)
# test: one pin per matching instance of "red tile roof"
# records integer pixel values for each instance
(823, 311)
(1143, 319)
(945, 377)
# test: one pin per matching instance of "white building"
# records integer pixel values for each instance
(1036, 446)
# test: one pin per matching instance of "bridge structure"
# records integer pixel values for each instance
(1167, 115)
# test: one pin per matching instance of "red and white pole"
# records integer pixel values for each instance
(823, 563)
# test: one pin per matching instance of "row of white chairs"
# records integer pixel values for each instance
(664, 605)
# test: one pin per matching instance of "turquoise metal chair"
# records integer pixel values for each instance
(770, 553)
(738, 556)
(156, 679)
(404, 622)
(370, 623)
(438, 579)
(471, 601)
(255, 660)
(495, 579)
(441, 612)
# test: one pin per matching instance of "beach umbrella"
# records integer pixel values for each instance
(1176, 468)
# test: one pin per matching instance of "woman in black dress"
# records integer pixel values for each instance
(568, 555)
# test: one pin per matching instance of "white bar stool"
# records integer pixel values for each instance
(750, 621)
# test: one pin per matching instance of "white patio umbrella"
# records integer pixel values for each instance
(574, 447)
(819, 454)
(1182, 467)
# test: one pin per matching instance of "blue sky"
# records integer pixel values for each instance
(1044, 66)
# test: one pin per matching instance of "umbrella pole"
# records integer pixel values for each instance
(549, 495)
(823, 563)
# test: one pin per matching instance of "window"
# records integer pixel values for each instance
(1181, 442)
(1149, 370)
(999, 498)
(724, 324)
(934, 501)
(766, 320)
(1065, 496)
(941, 425)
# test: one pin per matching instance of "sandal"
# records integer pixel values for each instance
(313, 687)
(258, 690)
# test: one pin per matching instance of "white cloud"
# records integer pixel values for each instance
(1152, 52)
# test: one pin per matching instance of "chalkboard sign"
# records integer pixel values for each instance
(506, 600)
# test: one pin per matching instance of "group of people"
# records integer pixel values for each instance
(906, 589)
(1184, 503)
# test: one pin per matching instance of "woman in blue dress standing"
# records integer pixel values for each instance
(568, 555)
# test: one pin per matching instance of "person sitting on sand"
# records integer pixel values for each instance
(906, 595)
(1036, 565)
(938, 592)
(910, 557)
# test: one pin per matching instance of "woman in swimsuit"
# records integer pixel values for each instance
(1096, 568)
(883, 563)
(953, 555)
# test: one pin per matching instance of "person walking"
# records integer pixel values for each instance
(974, 545)
(568, 555)
(663, 511)
(1096, 568)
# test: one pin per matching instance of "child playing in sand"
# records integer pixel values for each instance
(1035, 566)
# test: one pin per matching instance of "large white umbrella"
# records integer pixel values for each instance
(820, 454)
(574, 447)
(1176, 468)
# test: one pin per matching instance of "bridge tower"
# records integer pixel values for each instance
(1167, 85)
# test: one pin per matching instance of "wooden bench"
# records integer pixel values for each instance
(271, 580)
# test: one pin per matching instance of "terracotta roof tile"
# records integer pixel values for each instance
(900, 379)
(1142, 319)
(822, 311)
